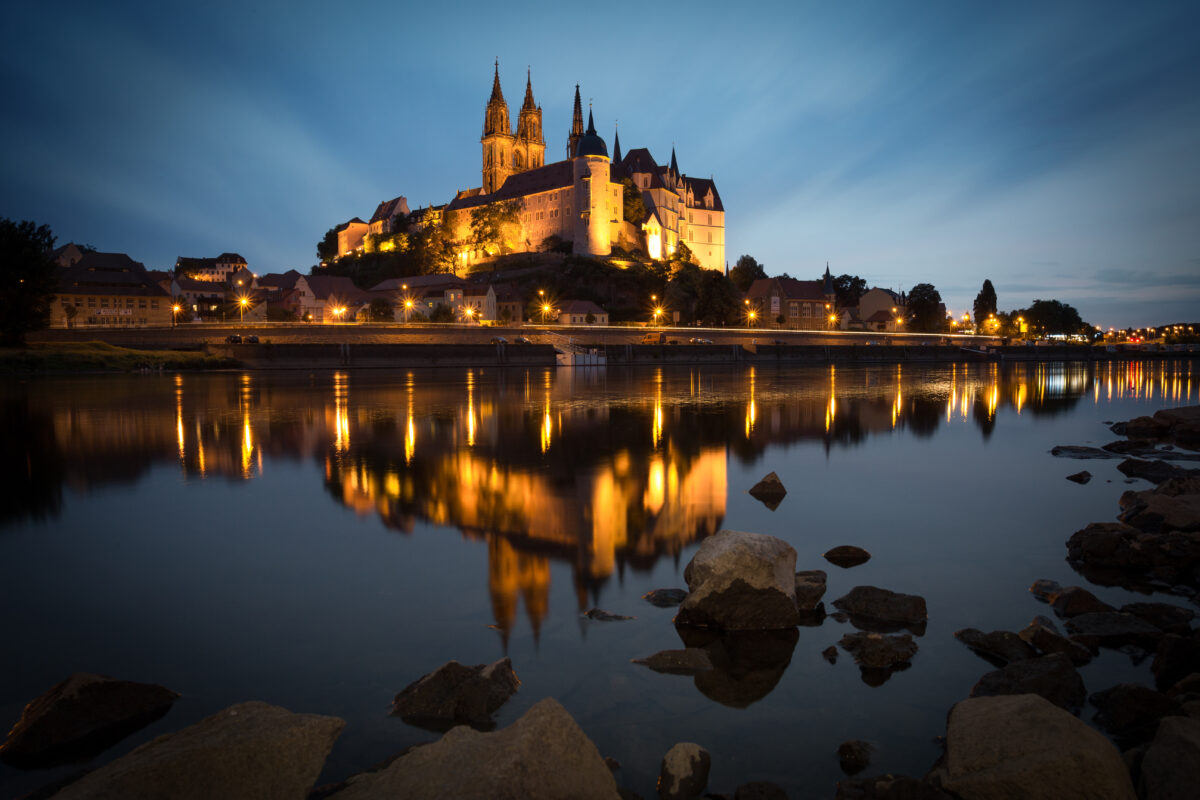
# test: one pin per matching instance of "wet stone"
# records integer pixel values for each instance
(854, 756)
(1080, 477)
(665, 598)
(600, 615)
(847, 556)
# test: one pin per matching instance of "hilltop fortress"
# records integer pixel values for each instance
(579, 200)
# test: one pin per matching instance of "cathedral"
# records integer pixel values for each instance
(580, 199)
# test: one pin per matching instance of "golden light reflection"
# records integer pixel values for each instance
(751, 410)
(470, 409)
(341, 422)
(831, 406)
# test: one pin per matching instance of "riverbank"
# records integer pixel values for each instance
(96, 356)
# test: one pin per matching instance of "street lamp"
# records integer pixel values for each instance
(545, 311)
(658, 312)
(174, 315)
(408, 304)
(242, 303)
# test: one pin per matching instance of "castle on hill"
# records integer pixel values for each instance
(579, 200)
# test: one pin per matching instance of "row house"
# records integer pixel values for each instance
(793, 304)
(108, 290)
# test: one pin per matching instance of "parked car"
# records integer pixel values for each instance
(233, 338)
(699, 340)
(499, 340)
(251, 339)
(522, 340)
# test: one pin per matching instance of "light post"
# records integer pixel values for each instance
(545, 311)
(408, 304)
(242, 303)
(174, 315)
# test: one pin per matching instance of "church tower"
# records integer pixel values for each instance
(530, 150)
(497, 139)
(576, 126)
(592, 171)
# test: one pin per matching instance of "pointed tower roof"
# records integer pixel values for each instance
(495, 119)
(577, 115)
(828, 287)
(616, 145)
(674, 163)
(591, 144)
(529, 105)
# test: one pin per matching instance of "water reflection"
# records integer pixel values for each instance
(601, 470)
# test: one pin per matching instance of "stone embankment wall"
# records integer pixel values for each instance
(299, 356)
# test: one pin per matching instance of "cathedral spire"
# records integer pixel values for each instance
(576, 125)
(674, 163)
(616, 145)
(828, 287)
(529, 104)
(497, 95)
(495, 119)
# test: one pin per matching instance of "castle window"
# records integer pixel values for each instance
(710, 219)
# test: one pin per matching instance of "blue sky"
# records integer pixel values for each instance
(1051, 148)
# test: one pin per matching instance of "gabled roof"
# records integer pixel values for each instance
(199, 286)
(390, 208)
(580, 307)
(558, 175)
(338, 286)
(787, 288)
(286, 280)
(230, 258)
(700, 187)
(348, 223)
(639, 160)
(185, 263)
(419, 282)
(109, 273)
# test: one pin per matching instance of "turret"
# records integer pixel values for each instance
(591, 169)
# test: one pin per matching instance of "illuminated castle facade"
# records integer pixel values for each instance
(580, 200)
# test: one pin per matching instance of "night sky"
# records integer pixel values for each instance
(1051, 147)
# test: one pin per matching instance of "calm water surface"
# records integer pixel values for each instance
(320, 540)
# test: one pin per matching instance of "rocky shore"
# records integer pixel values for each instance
(1019, 733)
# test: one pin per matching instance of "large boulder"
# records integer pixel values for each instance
(883, 611)
(1130, 712)
(741, 582)
(1052, 677)
(1113, 629)
(1170, 768)
(247, 750)
(1024, 746)
(684, 772)
(1042, 635)
(80, 717)
(456, 694)
(542, 755)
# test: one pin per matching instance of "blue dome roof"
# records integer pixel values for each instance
(590, 144)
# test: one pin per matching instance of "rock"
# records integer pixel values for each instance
(739, 582)
(1051, 677)
(998, 647)
(1119, 428)
(600, 615)
(542, 755)
(769, 491)
(830, 654)
(1045, 590)
(1146, 428)
(872, 608)
(1177, 657)
(684, 771)
(747, 665)
(665, 598)
(1024, 746)
(1113, 629)
(1075, 451)
(810, 588)
(247, 750)
(678, 662)
(1043, 636)
(1073, 601)
(1186, 689)
(1171, 765)
(847, 556)
(1164, 616)
(1107, 544)
(1130, 712)
(455, 694)
(1159, 512)
(1154, 471)
(1080, 477)
(854, 756)
(80, 717)
(879, 655)
(760, 790)
(1183, 425)
(890, 787)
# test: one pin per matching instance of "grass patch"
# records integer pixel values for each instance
(103, 357)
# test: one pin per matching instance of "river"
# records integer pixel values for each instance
(319, 540)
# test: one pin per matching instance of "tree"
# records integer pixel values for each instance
(849, 290)
(495, 226)
(1051, 316)
(70, 312)
(28, 279)
(746, 272)
(327, 248)
(433, 249)
(985, 303)
(683, 255)
(442, 313)
(925, 308)
(380, 310)
(635, 207)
